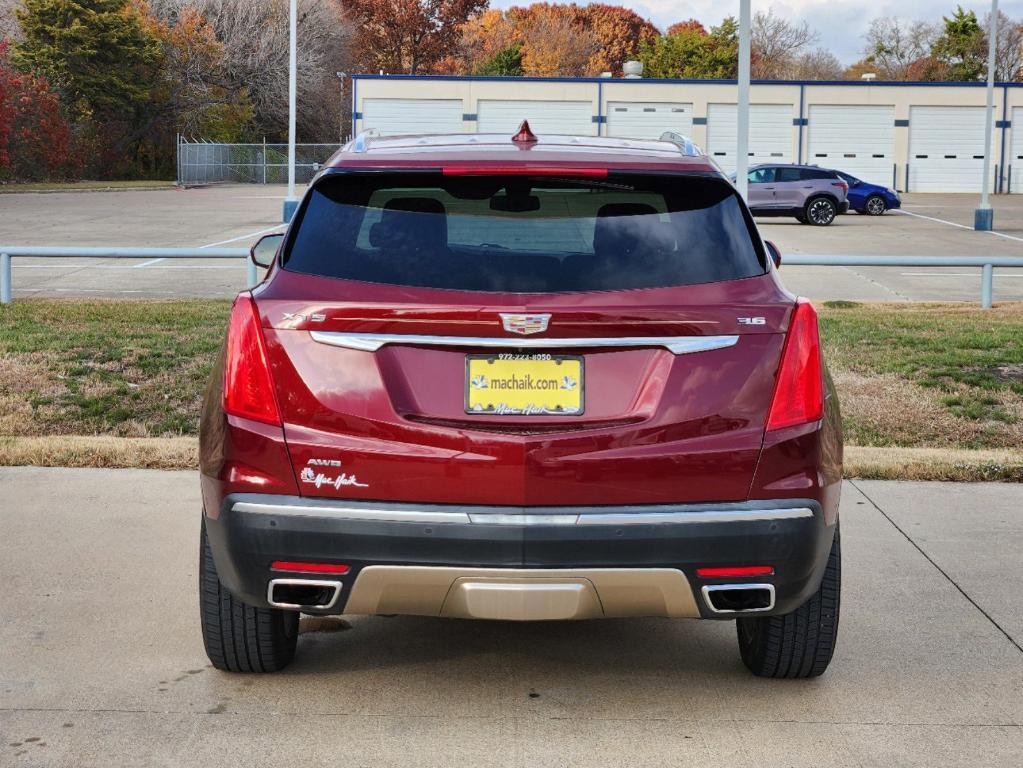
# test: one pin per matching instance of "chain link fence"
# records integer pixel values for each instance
(204, 162)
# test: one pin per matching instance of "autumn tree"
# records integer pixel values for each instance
(481, 39)
(254, 35)
(35, 139)
(192, 93)
(776, 44)
(555, 40)
(408, 36)
(98, 57)
(692, 53)
(682, 26)
(619, 33)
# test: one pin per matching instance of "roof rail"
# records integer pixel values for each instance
(361, 142)
(684, 143)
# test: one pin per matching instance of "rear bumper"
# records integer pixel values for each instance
(843, 207)
(424, 559)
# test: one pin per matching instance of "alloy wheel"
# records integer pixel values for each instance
(821, 212)
(876, 206)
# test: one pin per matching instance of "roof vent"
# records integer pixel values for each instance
(632, 69)
(524, 136)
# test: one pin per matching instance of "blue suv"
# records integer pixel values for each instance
(871, 199)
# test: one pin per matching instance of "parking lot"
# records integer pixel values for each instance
(234, 215)
(101, 661)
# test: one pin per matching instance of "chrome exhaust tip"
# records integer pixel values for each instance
(303, 594)
(738, 598)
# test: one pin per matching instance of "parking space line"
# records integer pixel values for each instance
(954, 224)
(243, 237)
(147, 263)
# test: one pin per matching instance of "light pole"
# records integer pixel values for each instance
(984, 218)
(742, 108)
(291, 202)
(341, 109)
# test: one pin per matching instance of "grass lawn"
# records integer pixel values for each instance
(928, 377)
(71, 186)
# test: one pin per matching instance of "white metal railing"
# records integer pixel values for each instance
(986, 264)
(9, 252)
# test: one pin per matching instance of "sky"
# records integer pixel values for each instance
(839, 23)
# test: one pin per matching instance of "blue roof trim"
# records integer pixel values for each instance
(669, 81)
(699, 121)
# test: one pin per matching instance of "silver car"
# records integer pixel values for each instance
(811, 194)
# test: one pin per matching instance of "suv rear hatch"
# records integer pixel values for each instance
(524, 340)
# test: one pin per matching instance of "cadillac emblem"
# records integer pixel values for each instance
(525, 325)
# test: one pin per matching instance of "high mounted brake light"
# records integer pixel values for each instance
(799, 389)
(524, 170)
(248, 389)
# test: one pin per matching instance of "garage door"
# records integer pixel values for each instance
(770, 134)
(649, 120)
(571, 118)
(394, 117)
(859, 140)
(946, 149)
(1015, 159)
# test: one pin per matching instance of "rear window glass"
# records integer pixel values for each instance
(524, 234)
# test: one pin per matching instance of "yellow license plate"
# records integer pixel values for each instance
(524, 385)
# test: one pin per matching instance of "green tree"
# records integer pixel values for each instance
(691, 53)
(507, 61)
(961, 48)
(94, 53)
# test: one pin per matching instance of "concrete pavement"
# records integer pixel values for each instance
(101, 661)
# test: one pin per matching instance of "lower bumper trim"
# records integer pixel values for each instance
(522, 594)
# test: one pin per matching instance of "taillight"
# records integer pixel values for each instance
(842, 185)
(799, 390)
(248, 390)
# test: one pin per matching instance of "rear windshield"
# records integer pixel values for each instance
(523, 234)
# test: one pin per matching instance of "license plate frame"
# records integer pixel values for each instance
(531, 364)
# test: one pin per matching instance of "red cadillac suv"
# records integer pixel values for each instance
(521, 378)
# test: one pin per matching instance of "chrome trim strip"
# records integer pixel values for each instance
(497, 518)
(384, 515)
(732, 588)
(696, 516)
(371, 342)
(335, 585)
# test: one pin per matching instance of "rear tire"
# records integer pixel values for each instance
(799, 644)
(875, 205)
(820, 211)
(240, 637)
